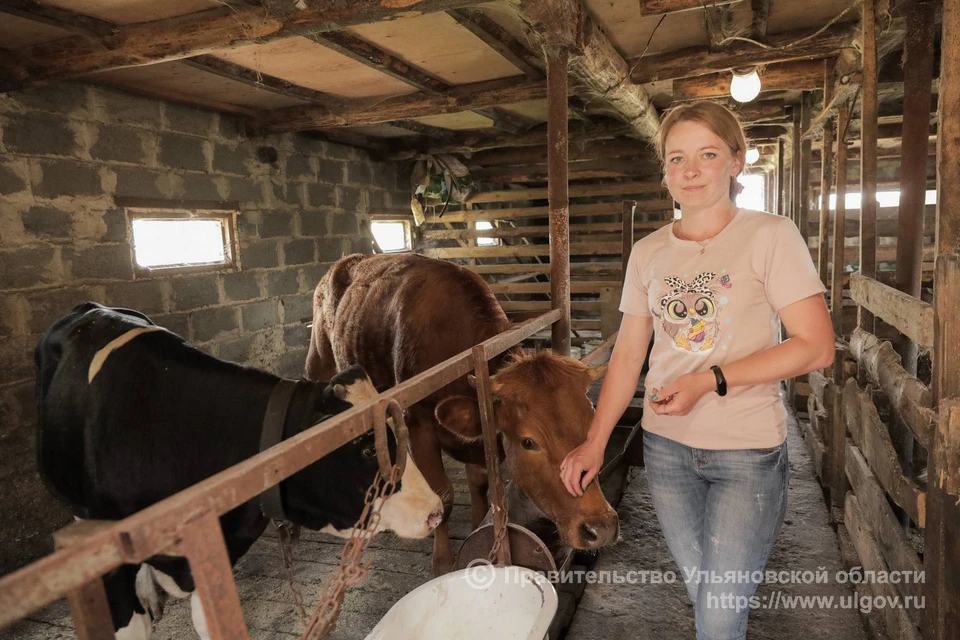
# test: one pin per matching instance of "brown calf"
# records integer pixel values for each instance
(398, 315)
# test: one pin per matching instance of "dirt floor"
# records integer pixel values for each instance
(605, 611)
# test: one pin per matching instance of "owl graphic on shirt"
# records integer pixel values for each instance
(688, 313)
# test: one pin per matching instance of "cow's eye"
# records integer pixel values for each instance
(370, 453)
(527, 443)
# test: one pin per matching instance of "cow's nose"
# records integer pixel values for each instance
(434, 520)
(588, 534)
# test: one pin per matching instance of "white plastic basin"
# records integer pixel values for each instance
(477, 603)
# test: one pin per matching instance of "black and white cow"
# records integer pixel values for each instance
(129, 414)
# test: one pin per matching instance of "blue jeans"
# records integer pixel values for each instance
(720, 511)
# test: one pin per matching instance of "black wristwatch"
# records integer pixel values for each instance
(721, 381)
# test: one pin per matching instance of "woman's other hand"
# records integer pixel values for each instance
(581, 466)
(679, 397)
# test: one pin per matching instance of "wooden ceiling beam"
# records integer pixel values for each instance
(473, 143)
(801, 75)
(761, 11)
(372, 56)
(205, 31)
(586, 150)
(429, 132)
(582, 170)
(659, 7)
(595, 67)
(765, 131)
(238, 73)
(500, 40)
(760, 111)
(458, 99)
(697, 61)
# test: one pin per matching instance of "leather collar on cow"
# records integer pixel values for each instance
(271, 434)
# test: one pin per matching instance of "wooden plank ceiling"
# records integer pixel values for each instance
(437, 73)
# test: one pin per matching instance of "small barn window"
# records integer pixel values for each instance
(483, 225)
(171, 239)
(884, 199)
(391, 235)
(754, 194)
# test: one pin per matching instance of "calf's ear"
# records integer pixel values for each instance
(460, 415)
(597, 372)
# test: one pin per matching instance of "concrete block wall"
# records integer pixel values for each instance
(65, 153)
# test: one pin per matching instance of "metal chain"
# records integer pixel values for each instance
(287, 534)
(352, 570)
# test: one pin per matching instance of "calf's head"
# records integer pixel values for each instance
(542, 413)
(329, 494)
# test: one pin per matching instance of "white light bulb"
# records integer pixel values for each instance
(745, 87)
(753, 155)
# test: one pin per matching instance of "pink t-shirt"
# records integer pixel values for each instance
(715, 308)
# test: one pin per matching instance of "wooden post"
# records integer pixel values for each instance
(781, 178)
(918, 74)
(88, 604)
(204, 547)
(558, 197)
(948, 139)
(826, 173)
(803, 191)
(770, 195)
(942, 542)
(835, 441)
(839, 216)
(796, 168)
(626, 220)
(609, 311)
(941, 558)
(491, 450)
(868, 156)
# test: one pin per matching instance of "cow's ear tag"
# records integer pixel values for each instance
(340, 391)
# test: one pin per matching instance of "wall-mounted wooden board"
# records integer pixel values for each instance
(173, 78)
(437, 44)
(130, 11)
(17, 33)
(308, 64)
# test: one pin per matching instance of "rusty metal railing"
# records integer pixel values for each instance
(187, 523)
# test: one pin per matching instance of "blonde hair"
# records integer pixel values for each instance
(720, 120)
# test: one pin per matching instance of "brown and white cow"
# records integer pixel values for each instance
(398, 315)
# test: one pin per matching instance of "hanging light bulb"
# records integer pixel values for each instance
(752, 155)
(745, 85)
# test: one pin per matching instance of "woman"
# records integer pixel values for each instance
(710, 288)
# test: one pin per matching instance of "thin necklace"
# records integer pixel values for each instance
(703, 245)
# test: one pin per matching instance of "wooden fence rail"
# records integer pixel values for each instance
(873, 439)
(912, 317)
(910, 399)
